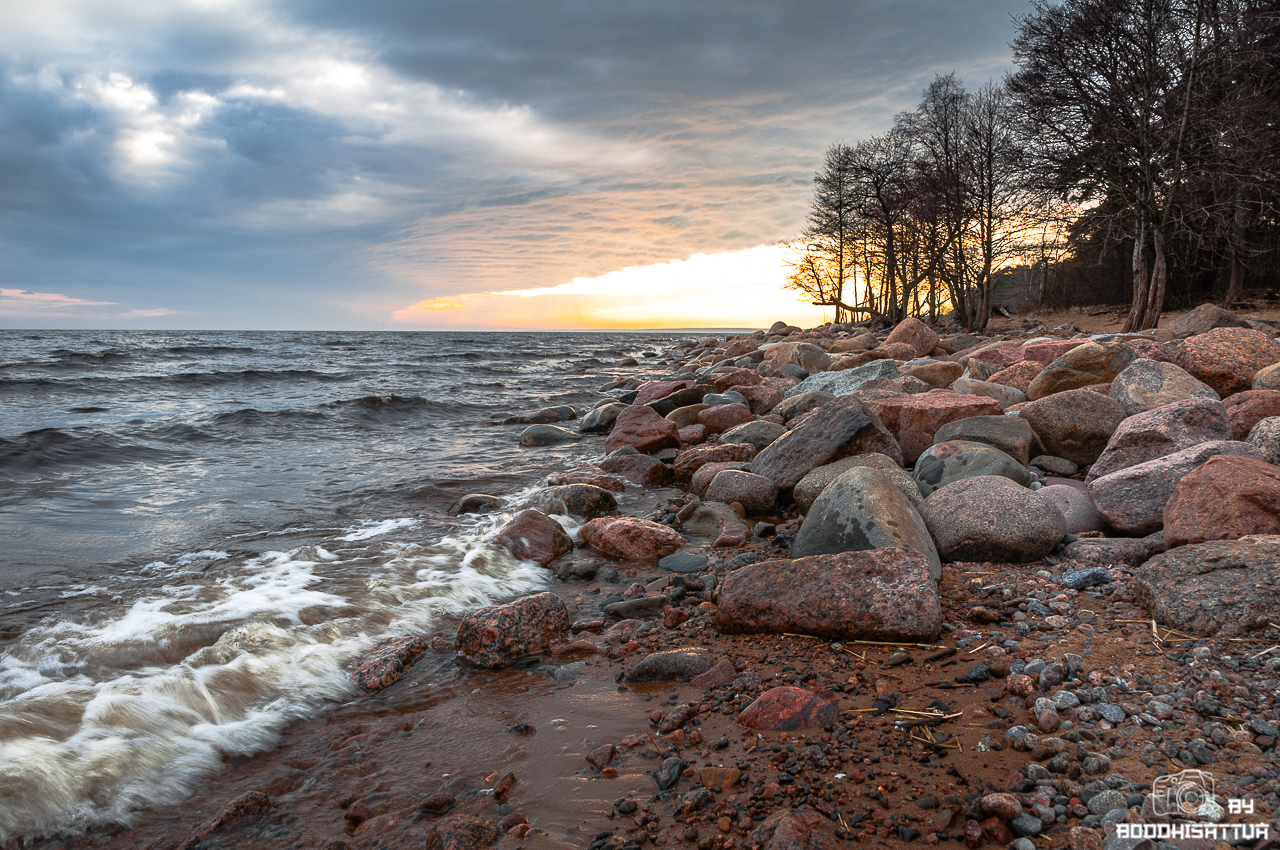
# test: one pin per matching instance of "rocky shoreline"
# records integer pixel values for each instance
(892, 588)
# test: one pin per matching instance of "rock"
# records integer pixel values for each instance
(842, 428)
(1077, 508)
(654, 390)
(914, 333)
(534, 536)
(913, 420)
(691, 460)
(588, 474)
(938, 374)
(1148, 384)
(602, 756)
(756, 493)
(1003, 806)
(582, 500)
(461, 832)
(1265, 437)
(1003, 395)
(724, 417)
(881, 594)
(640, 427)
(243, 808)
(637, 608)
(990, 518)
(1267, 378)
(1075, 424)
(475, 503)
(1055, 465)
(1026, 825)
(642, 470)
(1047, 350)
(1225, 588)
(684, 563)
(789, 830)
(1225, 498)
(806, 355)
(761, 399)
(788, 709)
(558, 413)
(1248, 408)
(706, 474)
(736, 378)
(1203, 319)
(498, 635)
(1089, 363)
(631, 537)
(1163, 431)
(708, 519)
(1084, 579)
(667, 776)
(721, 674)
(1133, 500)
(802, 403)
(957, 460)
(672, 665)
(386, 661)
(1010, 434)
(1106, 552)
(545, 435)
(898, 351)
(1228, 358)
(1018, 376)
(863, 509)
(817, 480)
(756, 434)
(685, 416)
(1106, 801)
(845, 381)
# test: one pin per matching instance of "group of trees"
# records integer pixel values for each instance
(1151, 126)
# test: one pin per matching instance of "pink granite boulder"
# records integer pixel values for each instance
(642, 470)
(1162, 431)
(1227, 498)
(691, 460)
(914, 333)
(1228, 358)
(723, 417)
(1248, 408)
(755, 493)
(788, 709)
(913, 420)
(736, 378)
(641, 427)
(498, 635)
(631, 537)
(534, 536)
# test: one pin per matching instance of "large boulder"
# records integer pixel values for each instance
(955, 460)
(735, 378)
(761, 398)
(1248, 408)
(1203, 319)
(545, 435)
(914, 333)
(1018, 376)
(1267, 378)
(654, 390)
(879, 594)
(991, 518)
(1075, 424)
(643, 470)
(1148, 384)
(817, 480)
(842, 428)
(1002, 394)
(499, 635)
(1113, 551)
(691, 460)
(915, 419)
(1167, 429)
(1010, 434)
(757, 434)
(844, 381)
(1133, 500)
(1082, 366)
(631, 537)
(534, 536)
(1227, 497)
(806, 355)
(687, 415)
(641, 427)
(799, 405)
(864, 509)
(1045, 351)
(584, 500)
(935, 373)
(1228, 358)
(723, 417)
(1265, 437)
(1077, 508)
(702, 479)
(1220, 588)
(755, 493)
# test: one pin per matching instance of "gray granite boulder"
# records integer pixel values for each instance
(1265, 436)
(1166, 429)
(817, 480)
(955, 460)
(803, 403)
(755, 493)
(845, 381)
(1224, 587)
(759, 433)
(1075, 424)
(864, 509)
(1148, 384)
(1010, 434)
(990, 518)
(1004, 395)
(842, 428)
(1077, 508)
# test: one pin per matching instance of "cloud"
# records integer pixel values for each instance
(35, 300)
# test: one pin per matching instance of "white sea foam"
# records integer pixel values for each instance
(371, 528)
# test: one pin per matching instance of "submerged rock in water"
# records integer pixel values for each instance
(475, 503)
(498, 635)
(545, 435)
(584, 500)
(386, 661)
(534, 536)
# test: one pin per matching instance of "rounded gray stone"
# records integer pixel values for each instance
(545, 435)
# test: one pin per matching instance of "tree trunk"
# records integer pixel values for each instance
(1138, 306)
(1159, 277)
(1235, 288)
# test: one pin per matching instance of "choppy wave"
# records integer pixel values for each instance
(53, 448)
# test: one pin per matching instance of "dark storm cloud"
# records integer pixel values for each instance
(323, 162)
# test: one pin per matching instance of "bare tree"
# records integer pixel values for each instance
(823, 257)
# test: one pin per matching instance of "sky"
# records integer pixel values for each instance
(418, 164)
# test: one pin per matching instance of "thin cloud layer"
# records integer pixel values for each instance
(244, 163)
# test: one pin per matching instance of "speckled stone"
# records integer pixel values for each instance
(643, 470)
(806, 355)
(1225, 588)
(956, 460)
(582, 500)
(990, 518)
(534, 536)
(1133, 500)
(913, 420)
(654, 390)
(703, 477)
(914, 333)
(1106, 552)
(758, 434)
(639, 426)
(938, 374)
(497, 635)
(631, 537)
(755, 493)
(842, 428)
(761, 398)
(1002, 394)
(598, 478)
(803, 403)
(736, 378)
(1265, 436)
(1086, 364)
(844, 381)
(1075, 424)
(601, 419)
(1019, 375)
(1203, 319)
(1045, 353)
(1167, 429)
(691, 460)
(1010, 434)
(817, 480)
(723, 417)
(789, 830)
(1077, 508)
(685, 416)
(880, 594)
(386, 661)
(671, 665)
(461, 832)
(1248, 408)
(788, 709)
(1226, 498)
(864, 509)
(1148, 384)
(1228, 358)
(1267, 378)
